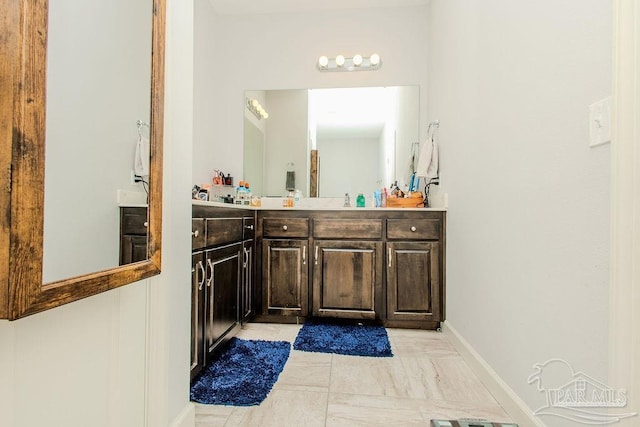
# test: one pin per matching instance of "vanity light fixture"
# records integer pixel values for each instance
(356, 63)
(254, 106)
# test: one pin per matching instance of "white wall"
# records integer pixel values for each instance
(286, 140)
(338, 155)
(279, 51)
(406, 116)
(101, 360)
(528, 219)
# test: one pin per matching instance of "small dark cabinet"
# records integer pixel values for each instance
(133, 234)
(285, 277)
(198, 279)
(347, 279)
(222, 291)
(413, 281)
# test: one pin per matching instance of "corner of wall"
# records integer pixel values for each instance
(186, 418)
(506, 397)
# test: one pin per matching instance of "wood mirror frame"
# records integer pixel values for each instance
(23, 45)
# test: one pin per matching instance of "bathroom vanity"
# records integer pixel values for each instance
(381, 265)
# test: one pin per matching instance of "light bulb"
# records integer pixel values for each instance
(339, 60)
(357, 60)
(323, 61)
(266, 115)
(375, 59)
(255, 103)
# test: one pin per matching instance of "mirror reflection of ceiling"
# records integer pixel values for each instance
(237, 7)
(345, 113)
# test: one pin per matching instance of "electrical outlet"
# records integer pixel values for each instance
(133, 177)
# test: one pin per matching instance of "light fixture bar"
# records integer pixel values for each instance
(355, 63)
(254, 106)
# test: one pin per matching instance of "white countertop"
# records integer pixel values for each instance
(274, 203)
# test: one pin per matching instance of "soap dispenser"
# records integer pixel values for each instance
(347, 200)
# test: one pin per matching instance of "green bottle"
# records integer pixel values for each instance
(360, 201)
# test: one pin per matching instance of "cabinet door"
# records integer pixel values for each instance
(198, 278)
(347, 279)
(285, 277)
(222, 293)
(246, 294)
(413, 281)
(133, 249)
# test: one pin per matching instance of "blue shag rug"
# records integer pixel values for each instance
(353, 340)
(242, 374)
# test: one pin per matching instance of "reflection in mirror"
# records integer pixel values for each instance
(98, 86)
(363, 137)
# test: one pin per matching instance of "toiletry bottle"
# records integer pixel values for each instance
(360, 201)
(297, 196)
(347, 200)
(239, 193)
(247, 194)
(384, 198)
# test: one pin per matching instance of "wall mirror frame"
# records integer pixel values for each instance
(23, 52)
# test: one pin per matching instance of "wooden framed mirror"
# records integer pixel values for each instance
(23, 86)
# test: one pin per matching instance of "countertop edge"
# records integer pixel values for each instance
(309, 208)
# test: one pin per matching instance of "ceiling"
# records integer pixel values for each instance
(238, 7)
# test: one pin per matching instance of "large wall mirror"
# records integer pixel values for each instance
(88, 103)
(363, 139)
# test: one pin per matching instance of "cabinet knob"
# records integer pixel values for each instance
(249, 227)
(285, 228)
(195, 233)
(413, 228)
(146, 223)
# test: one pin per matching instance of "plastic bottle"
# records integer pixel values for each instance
(384, 198)
(360, 201)
(247, 194)
(240, 193)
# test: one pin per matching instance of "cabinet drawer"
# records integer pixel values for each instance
(223, 230)
(197, 233)
(248, 228)
(134, 221)
(347, 228)
(285, 227)
(413, 229)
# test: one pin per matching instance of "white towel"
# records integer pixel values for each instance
(428, 160)
(141, 160)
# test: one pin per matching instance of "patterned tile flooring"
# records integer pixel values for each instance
(426, 379)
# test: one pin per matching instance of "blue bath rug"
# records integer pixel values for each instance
(242, 374)
(353, 340)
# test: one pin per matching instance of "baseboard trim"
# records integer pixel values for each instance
(186, 418)
(506, 397)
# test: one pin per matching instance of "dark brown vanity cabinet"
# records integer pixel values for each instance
(248, 265)
(133, 234)
(222, 289)
(414, 269)
(285, 269)
(380, 265)
(413, 281)
(198, 279)
(347, 273)
(222, 278)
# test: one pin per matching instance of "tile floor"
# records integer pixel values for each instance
(425, 379)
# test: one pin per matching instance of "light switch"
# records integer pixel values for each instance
(600, 122)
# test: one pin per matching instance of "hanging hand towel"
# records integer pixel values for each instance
(141, 161)
(428, 160)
